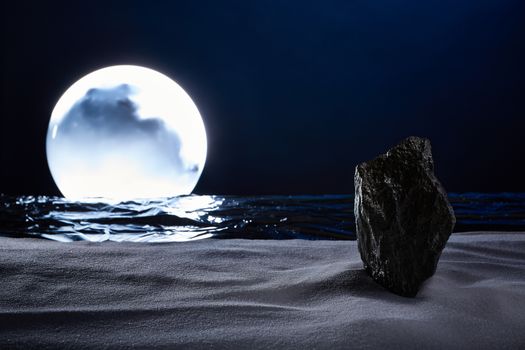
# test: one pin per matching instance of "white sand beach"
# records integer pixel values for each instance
(255, 294)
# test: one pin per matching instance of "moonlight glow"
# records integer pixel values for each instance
(125, 132)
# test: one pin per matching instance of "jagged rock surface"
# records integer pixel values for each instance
(403, 216)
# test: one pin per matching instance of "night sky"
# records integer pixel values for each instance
(293, 93)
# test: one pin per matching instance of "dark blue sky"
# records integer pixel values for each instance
(293, 93)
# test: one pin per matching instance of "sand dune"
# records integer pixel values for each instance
(255, 294)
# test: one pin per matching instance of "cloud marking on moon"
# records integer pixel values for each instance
(111, 113)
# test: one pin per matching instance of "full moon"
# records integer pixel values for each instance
(125, 132)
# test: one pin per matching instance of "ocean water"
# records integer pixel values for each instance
(195, 217)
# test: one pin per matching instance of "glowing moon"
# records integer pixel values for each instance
(125, 132)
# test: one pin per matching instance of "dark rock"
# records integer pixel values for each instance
(403, 216)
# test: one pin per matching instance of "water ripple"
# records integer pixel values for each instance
(196, 217)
